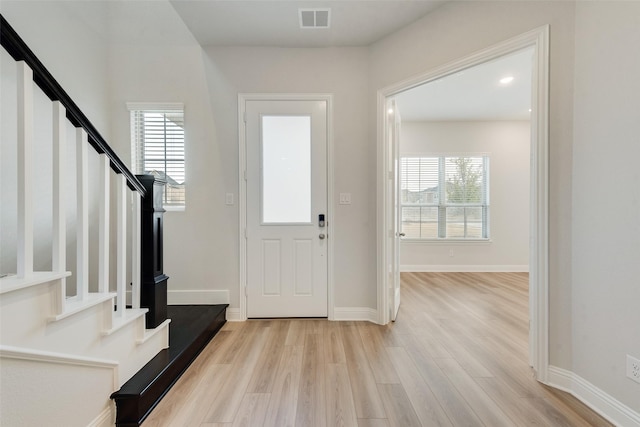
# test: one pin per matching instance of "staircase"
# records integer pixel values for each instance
(72, 332)
(192, 327)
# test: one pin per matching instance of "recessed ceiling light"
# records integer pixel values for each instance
(314, 18)
(529, 109)
(506, 80)
(390, 111)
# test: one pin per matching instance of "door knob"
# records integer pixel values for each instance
(401, 234)
(322, 236)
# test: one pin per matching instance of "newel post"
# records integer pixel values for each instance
(153, 292)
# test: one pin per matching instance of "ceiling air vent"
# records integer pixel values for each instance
(315, 18)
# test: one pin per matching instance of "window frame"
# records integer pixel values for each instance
(441, 203)
(136, 107)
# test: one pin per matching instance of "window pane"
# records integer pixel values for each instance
(445, 197)
(419, 180)
(286, 169)
(420, 222)
(174, 194)
(429, 223)
(474, 223)
(464, 222)
(159, 149)
(455, 222)
(411, 222)
(464, 178)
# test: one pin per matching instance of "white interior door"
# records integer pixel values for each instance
(394, 122)
(286, 207)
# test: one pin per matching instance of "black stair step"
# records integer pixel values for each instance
(191, 328)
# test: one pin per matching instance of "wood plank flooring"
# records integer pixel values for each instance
(456, 356)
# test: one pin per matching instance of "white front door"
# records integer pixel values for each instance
(286, 208)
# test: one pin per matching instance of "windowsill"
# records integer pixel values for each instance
(449, 241)
(174, 208)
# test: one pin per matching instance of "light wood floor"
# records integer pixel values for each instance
(456, 356)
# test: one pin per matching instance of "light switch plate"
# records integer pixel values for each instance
(228, 199)
(345, 198)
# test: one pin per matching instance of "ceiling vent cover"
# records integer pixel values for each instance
(315, 18)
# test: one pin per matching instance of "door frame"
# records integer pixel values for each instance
(243, 98)
(539, 181)
(396, 225)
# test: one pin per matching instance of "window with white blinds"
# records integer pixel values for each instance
(445, 197)
(157, 136)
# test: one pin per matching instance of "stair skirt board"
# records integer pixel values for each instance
(190, 330)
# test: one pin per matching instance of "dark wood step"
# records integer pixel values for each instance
(191, 328)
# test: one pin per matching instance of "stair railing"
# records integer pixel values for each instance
(32, 72)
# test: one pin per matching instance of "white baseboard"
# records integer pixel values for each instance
(598, 400)
(464, 268)
(340, 313)
(355, 313)
(197, 297)
(233, 315)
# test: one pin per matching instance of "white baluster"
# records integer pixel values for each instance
(103, 225)
(59, 240)
(25, 171)
(82, 214)
(121, 246)
(59, 254)
(136, 247)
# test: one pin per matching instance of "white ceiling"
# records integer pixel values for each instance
(275, 23)
(474, 93)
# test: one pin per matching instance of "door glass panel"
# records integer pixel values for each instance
(286, 169)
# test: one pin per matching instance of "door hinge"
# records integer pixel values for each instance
(245, 175)
(244, 116)
(246, 235)
(390, 174)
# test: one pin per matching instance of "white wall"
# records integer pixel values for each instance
(507, 144)
(606, 196)
(593, 319)
(162, 62)
(148, 55)
(71, 49)
(343, 73)
(66, 395)
(76, 56)
(201, 243)
(458, 29)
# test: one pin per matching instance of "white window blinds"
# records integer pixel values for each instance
(158, 149)
(445, 197)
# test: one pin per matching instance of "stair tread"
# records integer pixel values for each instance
(129, 315)
(75, 305)
(148, 333)
(183, 329)
(12, 282)
(191, 328)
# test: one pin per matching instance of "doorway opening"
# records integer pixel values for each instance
(389, 216)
